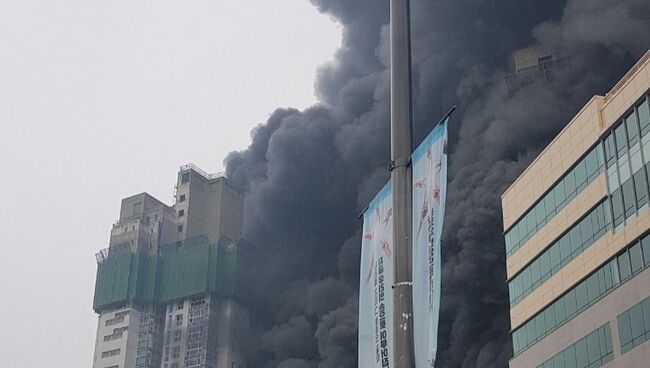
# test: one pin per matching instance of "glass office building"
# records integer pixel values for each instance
(577, 231)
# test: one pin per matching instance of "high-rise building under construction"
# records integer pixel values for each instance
(577, 230)
(167, 289)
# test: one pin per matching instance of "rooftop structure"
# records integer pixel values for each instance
(533, 64)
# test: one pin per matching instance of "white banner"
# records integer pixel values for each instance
(375, 291)
(429, 193)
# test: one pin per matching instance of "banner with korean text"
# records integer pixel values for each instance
(375, 291)
(429, 192)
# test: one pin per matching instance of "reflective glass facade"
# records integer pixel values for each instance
(584, 294)
(592, 351)
(634, 326)
(577, 179)
(577, 234)
(576, 240)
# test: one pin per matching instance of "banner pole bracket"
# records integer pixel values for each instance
(403, 283)
(394, 164)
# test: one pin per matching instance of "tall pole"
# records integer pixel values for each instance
(401, 146)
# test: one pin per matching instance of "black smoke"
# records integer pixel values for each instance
(308, 174)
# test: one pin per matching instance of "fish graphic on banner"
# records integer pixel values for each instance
(429, 192)
(375, 291)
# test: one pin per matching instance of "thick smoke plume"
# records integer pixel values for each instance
(308, 174)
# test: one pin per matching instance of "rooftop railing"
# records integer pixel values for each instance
(191, 166)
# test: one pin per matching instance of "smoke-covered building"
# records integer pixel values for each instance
(167, 289)
(577, 231)
(534, 64)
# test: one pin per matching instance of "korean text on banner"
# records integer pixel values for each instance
(429, 192)
(375, 293)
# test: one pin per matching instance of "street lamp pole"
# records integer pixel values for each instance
(401, 178)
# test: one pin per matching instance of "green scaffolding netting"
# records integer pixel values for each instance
(126, 277)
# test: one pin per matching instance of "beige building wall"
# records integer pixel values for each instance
(208, 204)
(586, 129)
(605, 310)
(116, 342)
(583, 132)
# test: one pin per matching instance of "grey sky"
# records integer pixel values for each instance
(100, 100)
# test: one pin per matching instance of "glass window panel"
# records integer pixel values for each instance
(519, 285)
(586, 230)
(602, 340)
(595, 222)
(607, 273)
(624, 168)
(621, 144)
(635, 159)
(602, 283)
(628, 198)
(624, 328)
(570, 357)
(540, 324)
(612, 179)
(624, 266)
(549, 317)
(570, 184)
(523, 339)
(608, 338)
(616, 273)
(549, 205)
(555, 258)
(593, 292)
(646, 316)
(601, 218)
(636, 259)
(593, 348)
(576, 239)
(610, 151)
(559, 194)
(617, 207)
(581, 353)
(644, 117)
(581, 175)
(540, 213)
(570, 303)
(558, 361)
(560, 310)
(515, 236)
(640, 188)
(531, 224)
(536, 275)
(591, 164)
(565, 248)
(632, 132)
(531, 332)
(516, 336)
(638, 326)
(528, 282)
(581, 296)
(645, 243)
(545, 262)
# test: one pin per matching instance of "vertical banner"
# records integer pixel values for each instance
(375, 291)
(429, 192)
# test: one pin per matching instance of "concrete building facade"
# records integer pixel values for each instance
(577, 231)
(167, 290)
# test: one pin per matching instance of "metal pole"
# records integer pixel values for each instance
(401, 177)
